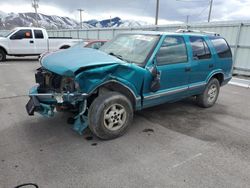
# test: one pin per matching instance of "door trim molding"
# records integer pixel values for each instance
(165, 93)
(196, 85)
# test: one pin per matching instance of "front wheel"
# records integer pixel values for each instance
(210, 94)
(2, 55)
(110, 115)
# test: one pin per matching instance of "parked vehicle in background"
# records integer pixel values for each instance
(132, 72)
(95, 44)
(27, 41)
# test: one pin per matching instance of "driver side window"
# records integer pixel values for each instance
(173, 50)
(22, 34)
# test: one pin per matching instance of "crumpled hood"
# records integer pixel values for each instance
(67, 62)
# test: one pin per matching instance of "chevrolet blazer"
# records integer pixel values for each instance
(132, 72)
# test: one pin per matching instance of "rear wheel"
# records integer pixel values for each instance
(110, 115)
(210, 94)
(2, 55)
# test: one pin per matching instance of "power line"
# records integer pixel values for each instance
(210, 6)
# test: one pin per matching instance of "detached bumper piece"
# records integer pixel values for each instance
(33, 105)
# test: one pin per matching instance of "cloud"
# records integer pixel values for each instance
(171, 11)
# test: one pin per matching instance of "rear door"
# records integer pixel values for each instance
(173, 64)
(22, 42)
(41, 43)
(202, 64)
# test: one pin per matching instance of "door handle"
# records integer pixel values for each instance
(211, 65)
(188, 69)
(31, 41)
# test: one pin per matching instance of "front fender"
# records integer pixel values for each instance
(126, 75)
(89, 80)
(4, 48)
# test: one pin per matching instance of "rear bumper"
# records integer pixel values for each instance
(225, 81)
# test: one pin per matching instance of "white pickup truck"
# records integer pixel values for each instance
(27, 41)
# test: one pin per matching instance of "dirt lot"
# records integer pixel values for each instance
(187, 147)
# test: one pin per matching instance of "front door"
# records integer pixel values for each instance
(173, 66)
(22, 43)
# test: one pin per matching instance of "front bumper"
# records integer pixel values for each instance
(44, 103)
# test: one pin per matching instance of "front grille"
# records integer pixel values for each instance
(47, 81)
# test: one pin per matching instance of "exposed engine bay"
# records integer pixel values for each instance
(52, 82)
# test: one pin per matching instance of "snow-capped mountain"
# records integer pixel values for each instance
(114, 22)
(11, 20)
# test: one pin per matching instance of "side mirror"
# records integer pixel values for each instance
(153, 70)
(156, 80)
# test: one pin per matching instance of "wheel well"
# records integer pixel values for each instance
(113, 86)
(2, 48)
(219, 77)
(64, 47)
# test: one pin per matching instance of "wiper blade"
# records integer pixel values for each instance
(116, 55)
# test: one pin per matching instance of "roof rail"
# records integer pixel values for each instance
(196, 31)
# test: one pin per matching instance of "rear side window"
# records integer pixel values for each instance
(38, 34)
(221, 47)
(200, 48)
(22, 34)
(173, 50)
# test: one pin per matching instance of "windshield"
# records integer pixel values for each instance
(133, 48)
(9, 33)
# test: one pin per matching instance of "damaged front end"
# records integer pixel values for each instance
(57, 93)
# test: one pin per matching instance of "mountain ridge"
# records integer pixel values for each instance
(11, 20)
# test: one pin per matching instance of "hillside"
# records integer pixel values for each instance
(11, 20)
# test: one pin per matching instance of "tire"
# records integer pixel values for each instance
(110, 115)
(2, 56)
(210, 94)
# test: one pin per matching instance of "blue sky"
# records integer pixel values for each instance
(171, 11)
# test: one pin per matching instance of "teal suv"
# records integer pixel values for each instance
(103, 88)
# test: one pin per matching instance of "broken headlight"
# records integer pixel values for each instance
(68, 84)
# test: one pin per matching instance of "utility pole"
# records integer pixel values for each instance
(110, 22)
(157, 12)
(210, 10)
(80, 11)
(187, 19)
(35, 6)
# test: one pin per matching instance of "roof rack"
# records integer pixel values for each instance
(196, 31)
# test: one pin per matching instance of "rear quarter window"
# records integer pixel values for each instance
(222, 48)
(38, 34)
